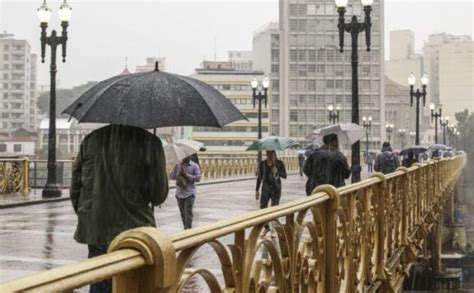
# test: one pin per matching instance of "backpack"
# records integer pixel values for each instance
(388, 163)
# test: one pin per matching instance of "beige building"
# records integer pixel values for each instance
(150, 64)
(18, 96)
(456, 77)
(313, 73)
(403, 59)
(235, 85)
(241, 60)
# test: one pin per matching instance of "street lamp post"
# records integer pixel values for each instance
(44, 13)
(389, 128)
(435, 115)
(418, 95)
(259, 96)
(402, 133)
(354, 27)
(367, 123)
(334, 116)
(412, 136)
(444, 123)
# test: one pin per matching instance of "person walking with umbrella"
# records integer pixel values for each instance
(118, 176)
(269, 177)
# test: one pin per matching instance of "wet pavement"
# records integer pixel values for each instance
(39, 237)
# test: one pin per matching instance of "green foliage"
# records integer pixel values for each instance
(64, 98)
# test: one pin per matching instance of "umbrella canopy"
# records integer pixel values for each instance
(347, 133)
(154, 99)
(273, 143)
(192, 143)
(416, 149)
(175, 152)
(438, 146)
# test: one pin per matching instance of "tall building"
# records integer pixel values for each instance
(403, 59)
(431, 60)
(17, 84)
(235, 85)
(456, 77)
(241, 60)
(314, 74)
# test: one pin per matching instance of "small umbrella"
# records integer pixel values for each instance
(347, 133)
(176, 152)
(154, 99)
(416, 149)
(438, 146)
(273, 143)
(192, 143)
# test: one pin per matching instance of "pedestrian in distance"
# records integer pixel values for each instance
(301, 160)
(270, 172)
(369, 160)
(187, 174)
(386, 162)
(118, 176)
(410, 160)
(326, 165)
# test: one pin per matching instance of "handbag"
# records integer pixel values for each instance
(181, 181)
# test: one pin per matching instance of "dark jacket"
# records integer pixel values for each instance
(269, 182)
(386, 162)
(118, 173)
(326, 165)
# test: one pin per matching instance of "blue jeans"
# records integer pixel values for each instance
(104, 286)
(186, 210)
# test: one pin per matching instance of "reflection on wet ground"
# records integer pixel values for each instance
(40, 237)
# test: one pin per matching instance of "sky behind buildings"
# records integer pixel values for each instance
(103, 33)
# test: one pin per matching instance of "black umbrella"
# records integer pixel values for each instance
(416, 150)
(154, 99)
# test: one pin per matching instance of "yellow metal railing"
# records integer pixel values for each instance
(14, 176)
(362, 237)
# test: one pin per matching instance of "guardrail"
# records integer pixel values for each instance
(362, 237)
(14, 179)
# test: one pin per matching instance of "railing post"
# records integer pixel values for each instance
(405, 213)
(26, 177)
(332, 206)
(160, 273)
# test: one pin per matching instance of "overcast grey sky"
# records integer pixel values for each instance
(102, 33)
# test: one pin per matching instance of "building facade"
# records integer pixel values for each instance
(18, 94)
(150, 64)
(235, 85)
(241, 60)
(456, 77)
(403, 59)
(314, 74)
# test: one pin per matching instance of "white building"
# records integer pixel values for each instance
(150, 64)
(18, 143)
(235, 85)
(17, 84)
(314, 74)
(241, 60)
(403, 59)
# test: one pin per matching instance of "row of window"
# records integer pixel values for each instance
(16, 148)
(14, 96)
(322, 116)
(14, 66)
(232, 87)
(15, 47)
(14, 86)
(230, 129)
(14, 76)
(331, 84)
(321, 9)
(323, 101)
(330, 55)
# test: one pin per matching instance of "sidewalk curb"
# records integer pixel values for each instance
(65, 198)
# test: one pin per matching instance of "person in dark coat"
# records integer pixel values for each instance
(410, 160)
(301, 159)
(118, 176)
(269, 177)
(386, 162)
(326, 165)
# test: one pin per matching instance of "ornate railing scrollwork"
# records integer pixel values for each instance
(14, 176)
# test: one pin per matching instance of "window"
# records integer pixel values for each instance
(330, 84)
(302, 55)
(275, 68)
(275, 55)
(312, 85)
(312, 55)
(312, 100)
(293, 116)
(302, 9)
(293, 85)
(3, 148)
(17, 148)
(293, 25)
(339, 84)
(6, 47)
(293, 55)
(311, 68)
(320, 55)
(293, 9)
(302, 25)
(339, 71)
(5, 76)
(302, 99)
(226, 87)
(311, 9)
(6, 57)
(275, 85)
(293, 100)
(330, 55)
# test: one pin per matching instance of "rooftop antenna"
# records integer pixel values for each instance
(215, 48)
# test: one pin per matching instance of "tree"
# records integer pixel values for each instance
(64, 98)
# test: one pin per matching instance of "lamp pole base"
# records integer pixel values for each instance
(51, 191)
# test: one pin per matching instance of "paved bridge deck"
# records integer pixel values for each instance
(39, 237)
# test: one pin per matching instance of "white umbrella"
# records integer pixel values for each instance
(192, 143)
(176, 152)
(347, 133)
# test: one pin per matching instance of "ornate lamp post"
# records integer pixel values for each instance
(389, 128)
(402, 132)
(444, 123)
(354, 28)
(435, 115)
(418, 95)
(334, 116)
(412, 136)
(367, 123)
(44, 13)
(259, 96)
